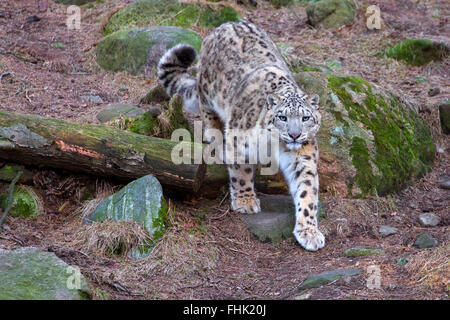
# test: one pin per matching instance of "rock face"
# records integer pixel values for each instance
(370, 140)
(327, 277)
(169, 13)
(138, 51)
(30, 274)
(418, 52)
(331, 13)
(117, 110)
(429, 219)
(141, 201)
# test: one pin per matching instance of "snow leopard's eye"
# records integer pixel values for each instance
(306, 118)
(282, 118)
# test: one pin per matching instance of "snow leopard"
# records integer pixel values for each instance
(241, 75)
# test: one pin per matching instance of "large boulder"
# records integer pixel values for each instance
(371, 141)
(169, 13)
(141, 201)
(30, 274)
(331, 13)
(138, 51)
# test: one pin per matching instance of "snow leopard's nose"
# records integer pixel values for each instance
(294, 136)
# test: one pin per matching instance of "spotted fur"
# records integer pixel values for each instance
(243, 82)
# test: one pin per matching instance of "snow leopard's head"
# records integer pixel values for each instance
(295, 116)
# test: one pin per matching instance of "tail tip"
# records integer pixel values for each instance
(186, 54)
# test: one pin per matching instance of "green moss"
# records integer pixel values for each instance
(210, 18)
(362, 252)
(417, 52)
(145, 124)
(26, 203)
(331, 13)
(361, 161)
(401, 148)
(168, 13)
(281, 3)
(159, 223)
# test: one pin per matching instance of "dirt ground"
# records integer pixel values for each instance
(207, 252)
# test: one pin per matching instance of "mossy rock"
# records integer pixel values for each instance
(169, 13)
(331, 13)
(30, 274)
(371, 141)
(162, 125)
(362, 252)
(26, 202)
(117, 110)
(141, 201)
(281, 3)
(74, 2)
(418, 52)
(138, 51)
(10, 171)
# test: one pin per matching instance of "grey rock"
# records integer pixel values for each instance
(424, 241)
(445, 185)
(30, 274)
(324, 278)
(276, 219)
(429, 219)
(386, 231)
(93, 99)
(141, 200)
(117, 110)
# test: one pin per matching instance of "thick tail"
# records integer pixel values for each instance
(173, 75)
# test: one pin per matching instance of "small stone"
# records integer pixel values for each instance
(434, 91)
(402, 261)
(429, 219)
(424, 241)
(304, 296)
(324, 278)
(93, 99)
(386, 231)
(361, 252)
(445, 185)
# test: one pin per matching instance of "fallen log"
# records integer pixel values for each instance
(105, 151)
(94, 149)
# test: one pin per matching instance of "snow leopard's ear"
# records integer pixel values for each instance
(314, 101)
(272, 100)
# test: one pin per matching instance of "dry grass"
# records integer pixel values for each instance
(432, 268)
(114, 237)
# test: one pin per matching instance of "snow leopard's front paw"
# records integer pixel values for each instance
(310, 238)
(248, 204)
